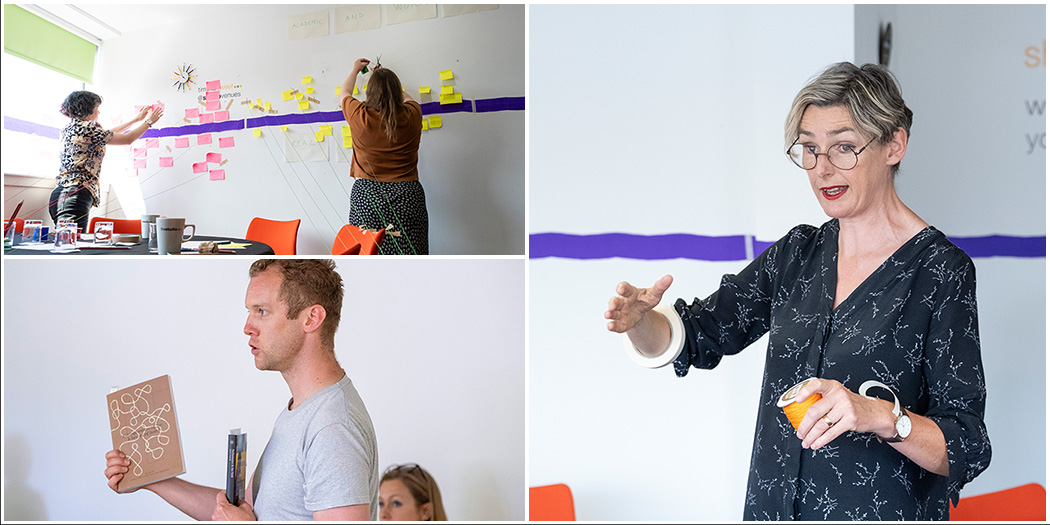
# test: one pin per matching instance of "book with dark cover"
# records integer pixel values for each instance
(144, 426)
(236, 451)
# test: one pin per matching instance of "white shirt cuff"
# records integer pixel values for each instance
(673, 350)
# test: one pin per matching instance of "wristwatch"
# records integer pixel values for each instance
(902, 425)
(149, 123)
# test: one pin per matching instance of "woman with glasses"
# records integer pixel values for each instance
(876, 308)
(84, 143)
(409, 493)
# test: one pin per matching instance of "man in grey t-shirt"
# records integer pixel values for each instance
(321, 462)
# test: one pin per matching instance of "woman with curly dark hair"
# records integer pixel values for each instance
(83, 146)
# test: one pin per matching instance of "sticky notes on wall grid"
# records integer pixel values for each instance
(348, 142)
(446, 74)
(308, 80)
(454, 98)
(257, 132)
(424, 90)
(426, 125)
(319, 136)
(326, 129)
(304, 104)
(435, 121)
(286, 95)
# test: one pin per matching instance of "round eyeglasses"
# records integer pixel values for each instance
(841, 155)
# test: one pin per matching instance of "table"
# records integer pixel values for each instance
(256, 248)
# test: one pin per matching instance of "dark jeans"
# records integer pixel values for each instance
(71, 204)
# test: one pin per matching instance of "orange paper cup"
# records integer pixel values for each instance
(795, 411)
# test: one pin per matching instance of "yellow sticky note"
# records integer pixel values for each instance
(348, 142)
(258, 102)
(338, 90)
(423, 90)
(257, 132)
(318, 136)
(454, 98)
(309, 90)
(304, 105)
(308, 80)
(447, 90)
(355, 90)
(300, 96)
(346, 131)
(446, 74)
(326, 129)
(284, 128)
(364, 87)
(268, 106)
(286, 95)
(426, 125)
(435, 121)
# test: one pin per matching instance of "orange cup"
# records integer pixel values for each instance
(795, 411)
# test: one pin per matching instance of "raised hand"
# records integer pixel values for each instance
(630, 304)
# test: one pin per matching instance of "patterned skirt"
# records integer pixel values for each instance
(400, 205)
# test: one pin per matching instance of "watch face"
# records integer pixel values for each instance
(903, 426)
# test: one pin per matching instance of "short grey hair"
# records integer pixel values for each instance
(870, 93)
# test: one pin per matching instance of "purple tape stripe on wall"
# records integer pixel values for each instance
(730, 248)
(24, 126)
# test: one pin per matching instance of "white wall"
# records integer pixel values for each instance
(676, 127)
(473, 168)
(441, 376)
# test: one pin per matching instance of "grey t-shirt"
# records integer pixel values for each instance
(321, 455)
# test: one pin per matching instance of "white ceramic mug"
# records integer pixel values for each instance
(147, 219)
(170, 234)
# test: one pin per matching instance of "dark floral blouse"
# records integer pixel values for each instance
(83, 146)
(911, 325)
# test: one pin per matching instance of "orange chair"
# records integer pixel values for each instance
(1024, 503)
(19, 222)
(345, 241)
(119, 225)
(367, 241)
(551, 503)
(280, 235)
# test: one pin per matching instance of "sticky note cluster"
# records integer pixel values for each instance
(448, 93)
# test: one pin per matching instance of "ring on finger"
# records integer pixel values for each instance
(827, 421)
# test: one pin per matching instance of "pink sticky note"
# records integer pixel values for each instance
(212, 84)
(192, 113)
(213, 105)
(140, 164)
(218, 175)
(200, 167)
(207, 118)
(167, 162)
(222, 116)
(214, 157)
(182, 142)
(138, 153)
(211, 95)
(152, 143)
(204, 138)
(225, 142)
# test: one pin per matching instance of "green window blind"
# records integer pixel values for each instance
(30, 37)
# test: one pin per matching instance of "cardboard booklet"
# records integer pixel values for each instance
(144, 427)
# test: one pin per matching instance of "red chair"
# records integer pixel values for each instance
(345, 242)
(1024, 503)
(551, 503)
(119, 225)
(367, 241)
(18, 224)
(280, 235)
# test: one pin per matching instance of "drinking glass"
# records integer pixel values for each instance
(31, 231)
(103, 233)
(66, 236)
